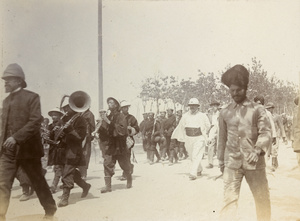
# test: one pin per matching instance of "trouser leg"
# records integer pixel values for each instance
(87, 156)
(57, 175)
(232, 179)
(109, 165)
(210, 152)
(8, 169)
(258, 183)
(198, 149)
(33, 169)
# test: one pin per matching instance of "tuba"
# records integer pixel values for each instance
(79, 101)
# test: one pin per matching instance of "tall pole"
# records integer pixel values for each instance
(100, 69)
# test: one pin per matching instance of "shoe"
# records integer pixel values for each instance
(123, 178)
(107, 187)
(24, 197)
(192, 177)
(129, 181)
(86, 190)
(209, 166)
(53, 189)
(199, 173)
(171, 164)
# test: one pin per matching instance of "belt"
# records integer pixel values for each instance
(193, 132)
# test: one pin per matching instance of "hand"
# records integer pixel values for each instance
(252, 157)
(56, 128)
(274, 141)
(10, 142)
(106, 119)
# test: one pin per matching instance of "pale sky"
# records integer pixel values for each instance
(56, 42)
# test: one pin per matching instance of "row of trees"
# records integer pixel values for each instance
(168, 91)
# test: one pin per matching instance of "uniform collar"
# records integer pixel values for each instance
(16, 90)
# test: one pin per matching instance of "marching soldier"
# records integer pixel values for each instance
(133, 129)
(117, 132)
(142, 129)
(167, 127)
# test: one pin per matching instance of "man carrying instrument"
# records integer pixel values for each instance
(74, 132)
(115, 127)
(20, 141)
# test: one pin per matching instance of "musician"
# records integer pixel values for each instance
(73, 134)
(101, 132)
(133, 129)
(116, 132)
(90, 124)
(56, 153)
(20, 141)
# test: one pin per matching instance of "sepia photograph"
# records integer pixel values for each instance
(150, 110)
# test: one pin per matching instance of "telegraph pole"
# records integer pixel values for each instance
(100, 67)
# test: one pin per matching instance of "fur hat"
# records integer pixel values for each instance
(237, 75)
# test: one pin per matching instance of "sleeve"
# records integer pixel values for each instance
(79, 131)
(222, 139)
(135, 125)
(33, 124)
(263, 130)
(120, 125)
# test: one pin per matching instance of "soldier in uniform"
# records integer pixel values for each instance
(167, 127)
(115, 127)
(133, 129)
(20, 141)
(156, 139)
(244, 136)
(296, 130)
(161, 118)
(142, 129)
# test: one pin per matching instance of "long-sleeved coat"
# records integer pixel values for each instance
(21, 119)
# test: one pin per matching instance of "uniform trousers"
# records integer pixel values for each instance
(195, 147)
(33, 168)
(111, 160)
(258, 183)
(275, 147)
(87, 156)
(71, 175)
(211, 151)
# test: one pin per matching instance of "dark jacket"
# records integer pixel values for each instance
(21, 119)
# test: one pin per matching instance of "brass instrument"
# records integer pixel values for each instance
(79, 102)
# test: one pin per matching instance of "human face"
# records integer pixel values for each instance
(193, 108)
(11, 84)
(125, 110)
(56, 117)
(237, 93)
(162, 114)
(112, 104)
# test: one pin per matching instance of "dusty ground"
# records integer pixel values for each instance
(162, 192)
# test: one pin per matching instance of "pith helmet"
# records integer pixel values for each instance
(125, 104)
(194, 101)
(15, 70)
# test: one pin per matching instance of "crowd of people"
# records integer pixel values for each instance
(244, 135)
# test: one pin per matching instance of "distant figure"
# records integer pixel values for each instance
(296, 130)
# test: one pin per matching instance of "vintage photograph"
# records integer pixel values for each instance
(143, 110)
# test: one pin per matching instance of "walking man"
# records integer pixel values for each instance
(20, 141)
(244, 136)
(192, 129)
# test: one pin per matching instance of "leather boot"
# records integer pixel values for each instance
(64, 201)
(273, 164)
(171, 158)
(107, 187)
(26, 193)
(151, 158)
(129, 181)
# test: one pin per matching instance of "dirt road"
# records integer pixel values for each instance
(163, 192)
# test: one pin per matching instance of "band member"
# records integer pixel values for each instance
(90, 124)
(56, 153)
(212, 135)
(157, 138)
(20, 141)
(101, 133)
(74, 132)
(244, 136)
(116, 130)
(192, 129)
(133, 129)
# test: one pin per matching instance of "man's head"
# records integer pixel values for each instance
(14, 78)
(55, 114)
(170, 112)
(270, 107)
(179, 113)
(193, 105)
(259, 99)
(145, 116)
(125, 107)
(162, 114)
(151, 115)
(236, 79)
(113, 104)
(214, 105)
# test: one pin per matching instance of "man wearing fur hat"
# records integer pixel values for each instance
(20, 141)
(244, 136)
(133, 129)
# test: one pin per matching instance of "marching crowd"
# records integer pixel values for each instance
(244, 135)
